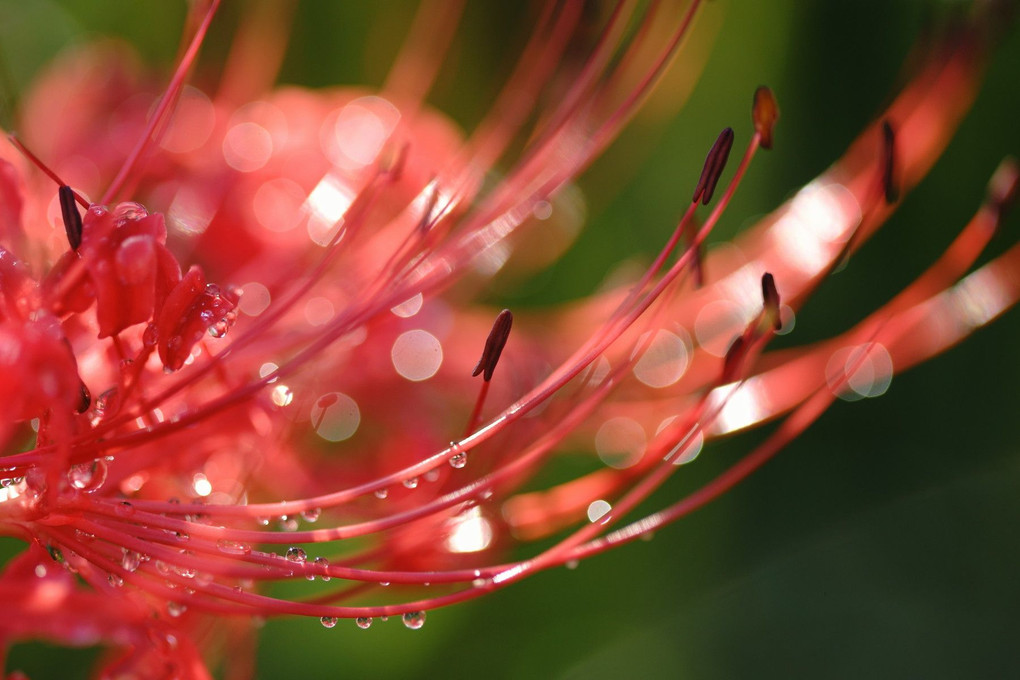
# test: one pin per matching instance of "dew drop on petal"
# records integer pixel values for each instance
(328, 621)
(296, 555)
(115, 580)
(381, 494)
(175, 609)
(414, 620)
(363, 622)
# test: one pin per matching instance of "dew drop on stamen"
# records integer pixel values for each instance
(287, 523)
(175, 609)
(233, 547)
(414, 620)
(311, 515)
(328, 621)
(296, 555)
(130, 560)
(87, 477)
(411, 483)
(381, 494)
(363, 622)
(324, 564)
(458, 460)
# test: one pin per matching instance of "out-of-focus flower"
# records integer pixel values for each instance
(271, 371)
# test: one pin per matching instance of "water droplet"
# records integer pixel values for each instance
(384, 583)
(324, 564)
(185, 572)
(328, 621)
(458, 460)
(130, 560)
(233, 547)
(87, 477)
(363, 622)
(115, 580)
(414, 620)
(282, 395)
(105, 405)
(296, 555)
(571, 564)
(150, 336)
(175, 609)
(288, 523)
(480, 582)
(312, 514)
(381, 493)
(411, 482)
(262, 521)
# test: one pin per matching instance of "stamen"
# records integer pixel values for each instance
(770, 296)
(494, 345)
(20, 146)
(764, 113)
(889, 184)
(715, 162)
(72, 218)
(734, 357)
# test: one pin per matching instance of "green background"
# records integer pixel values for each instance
(882, 543)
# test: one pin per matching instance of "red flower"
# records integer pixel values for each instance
(302, 407)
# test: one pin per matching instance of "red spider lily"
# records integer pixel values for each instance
(172, 441)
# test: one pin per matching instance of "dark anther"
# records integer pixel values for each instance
(770, 296)
(72, 218)
(892, 190)
(494, 345)
(764, 113)
(85, 399)
(714, 165)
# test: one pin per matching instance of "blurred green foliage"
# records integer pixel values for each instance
(883, 543)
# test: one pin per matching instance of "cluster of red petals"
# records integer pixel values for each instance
(268, 377)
